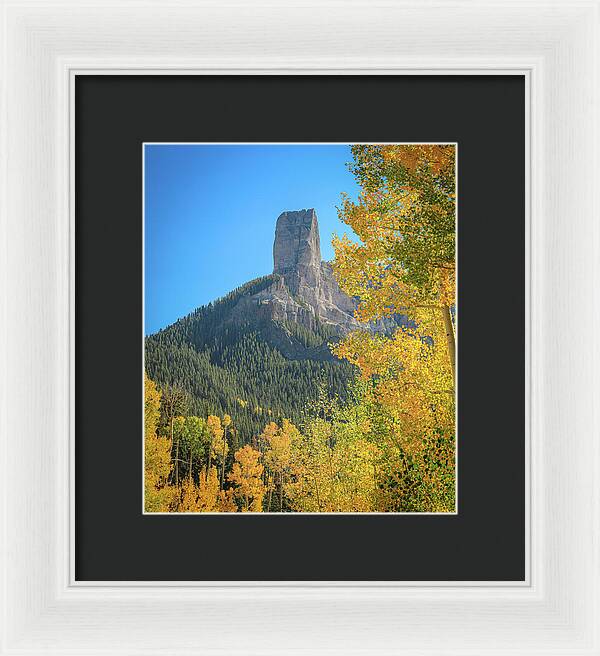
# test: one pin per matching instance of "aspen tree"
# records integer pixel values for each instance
(246, 477)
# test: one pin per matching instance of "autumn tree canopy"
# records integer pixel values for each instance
(404, 263)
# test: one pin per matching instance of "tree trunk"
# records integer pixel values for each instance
(450, 340)
(281, 492)
(271, 484)
(176, 454)
(317, 493)
(223, 458)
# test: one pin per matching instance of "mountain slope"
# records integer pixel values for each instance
(257, 370)
(261, 352)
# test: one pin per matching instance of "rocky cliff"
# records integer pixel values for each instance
(303, 289)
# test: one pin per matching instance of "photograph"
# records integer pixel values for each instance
(300, 328)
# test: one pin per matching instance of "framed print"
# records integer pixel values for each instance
(299, 347)
(282, 352)
(277, 371)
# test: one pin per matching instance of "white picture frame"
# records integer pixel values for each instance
(554, 44)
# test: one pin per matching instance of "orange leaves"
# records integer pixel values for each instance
(205, 496)
(157, 467)
(246, 476)
(447, 286)
(279, 441)
(188, 497)
(214, 426)
(364, 350)
(157, 454)
(207, 491)
(246, 465)
(437, 158)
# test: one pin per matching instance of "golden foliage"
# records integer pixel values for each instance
(433, 159)
(151, 406)
(405, 221)
(219, 447)
(215, 428)
(279, 441)
(333, 470)
(404, 264)
(246, 476)
(158, 496)
(203, 497)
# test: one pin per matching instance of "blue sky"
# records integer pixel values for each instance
(210, 214)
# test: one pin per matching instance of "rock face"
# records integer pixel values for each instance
(302, 291)
(305, 290)
(297, 250)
